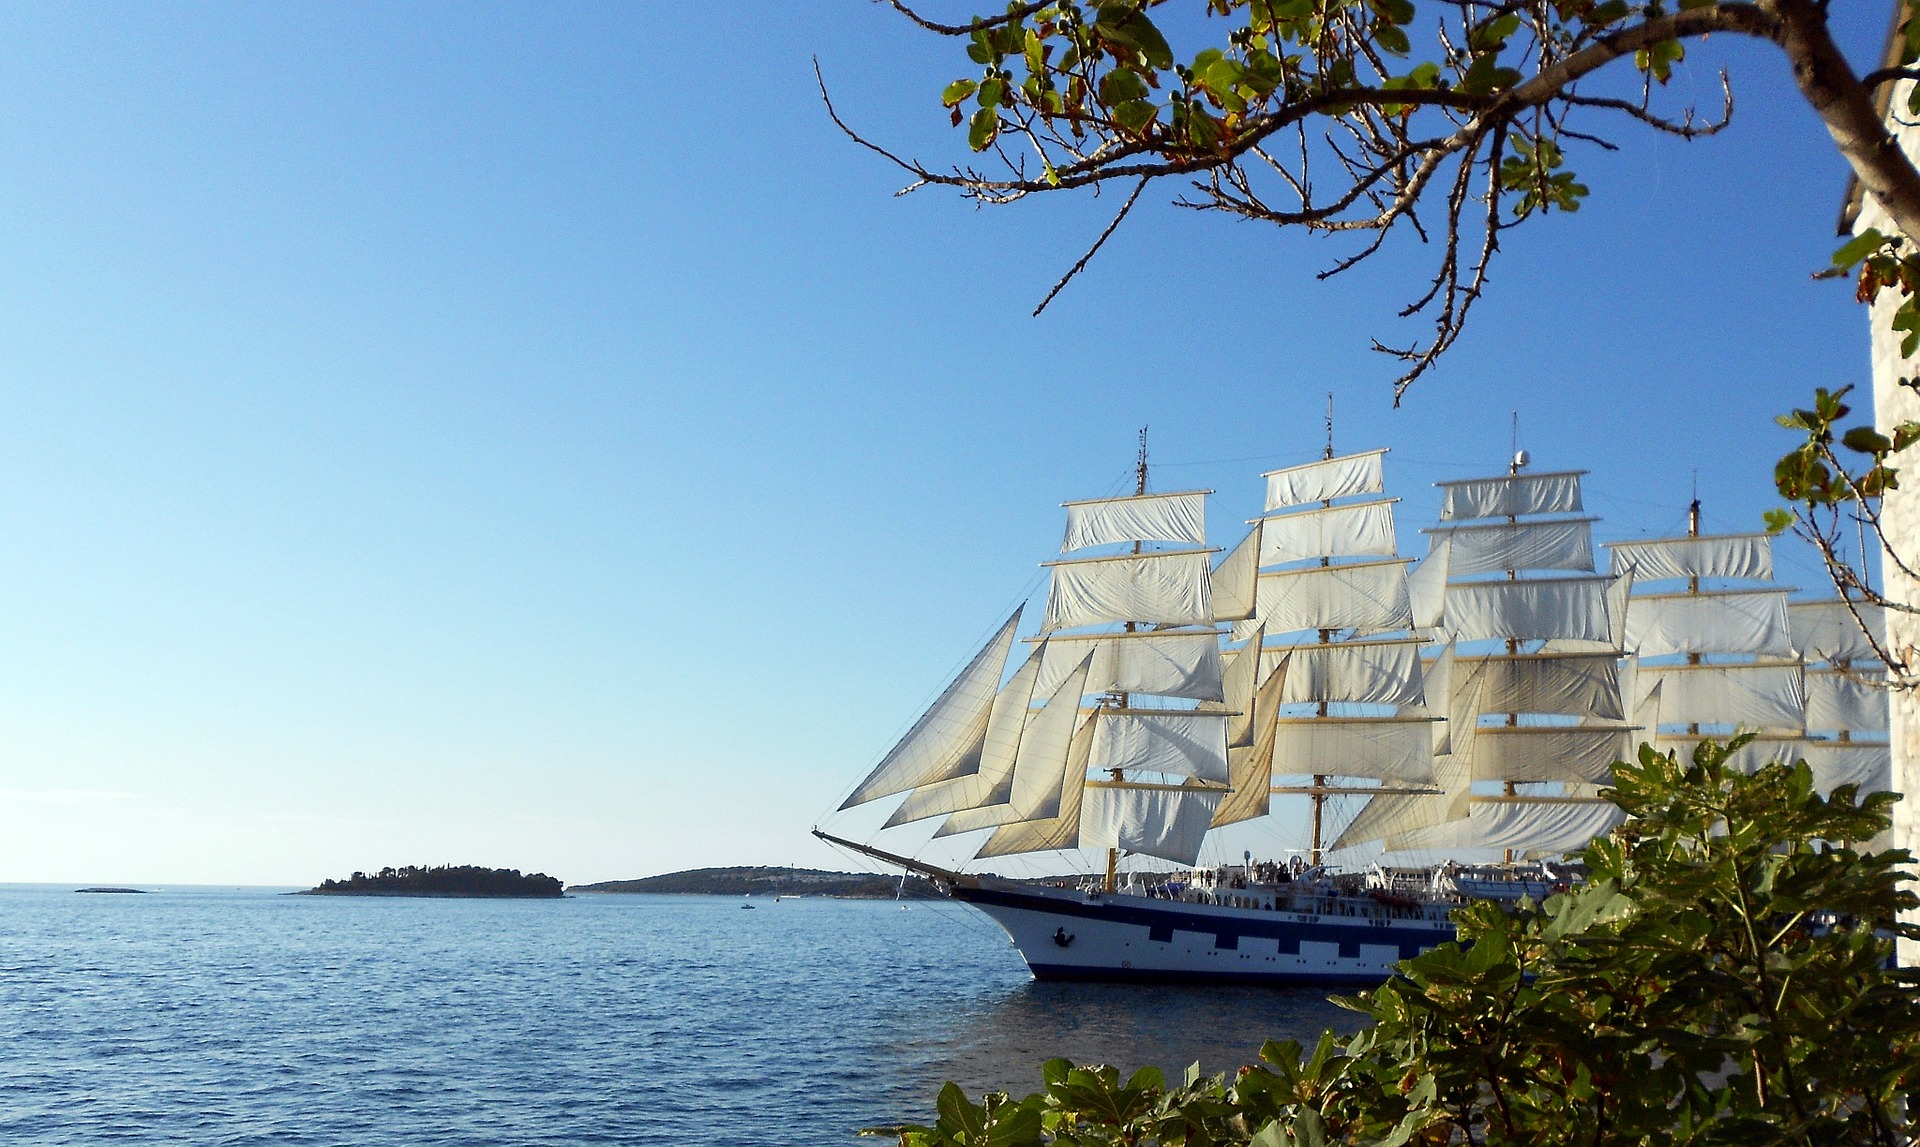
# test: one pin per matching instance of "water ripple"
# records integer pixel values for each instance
(246, 1018)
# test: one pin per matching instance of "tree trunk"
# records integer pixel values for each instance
(1900, 513)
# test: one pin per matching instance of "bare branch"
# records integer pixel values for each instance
(1093, 250)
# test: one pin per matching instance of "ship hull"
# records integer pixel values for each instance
(1066, 934)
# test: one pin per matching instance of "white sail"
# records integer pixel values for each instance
(1363, 595)
(1828, 631)
(1395, 814)
(1167, 823)
(1056, 832)
(945, 742)
(1383, 672)
(1180, 517)
(1579, 684)
(1343, 477)
(998, 753)
(1747, 556)
(1168, 664)
(1234, 579)
(1566, 544)
(1384, 748)
(1528, 610)
(1162, 588)
(1529, 753)
(1032, 790)
(1365, 530)
(1511, 495)
(1752, 622)
(1750, 696)
(1250, 769)
(1837, 701)
(1181, 743)
(1240, 679)
(1833, 763)
(1522, 826)
(1427, 586)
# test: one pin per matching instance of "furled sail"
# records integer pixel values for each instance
(1748, 556)
(1364, 595)
(1563, 544)
(1828, 630)
(1055, 832)
(1175, 742)
(1363, 530)
(945, 742)
(1170, 588)
(1750, 696)
(1746, 621)
(1325, 481)
(1031, 790)
(1574, 607)
(1172, 663)
(1178, 517)
(999, 750)
(1165, 822)
(1511, 495)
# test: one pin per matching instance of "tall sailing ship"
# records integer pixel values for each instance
(1470, 707)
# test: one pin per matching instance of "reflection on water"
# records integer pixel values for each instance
(1001, 1045)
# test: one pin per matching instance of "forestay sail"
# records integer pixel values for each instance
(1000, 749)
(945, 742)
(1050, 833)
(1032, 789)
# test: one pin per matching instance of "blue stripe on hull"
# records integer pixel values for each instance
(1068, 972)
(1228, 931)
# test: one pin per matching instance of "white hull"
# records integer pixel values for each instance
(1067, 934)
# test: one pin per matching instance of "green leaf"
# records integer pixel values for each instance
(1777, 520)
(982, 129)
(1858, 248)
(957, 91)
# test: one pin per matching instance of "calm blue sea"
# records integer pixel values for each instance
(242, 1016)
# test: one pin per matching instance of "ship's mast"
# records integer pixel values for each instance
(1693, 582)
(1139, 488)
(1513, 644)
(1319, 787)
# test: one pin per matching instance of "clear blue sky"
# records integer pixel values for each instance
(531, 435)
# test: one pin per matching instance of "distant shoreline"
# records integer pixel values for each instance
(768, 883)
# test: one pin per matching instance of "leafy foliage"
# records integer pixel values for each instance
(1723, 977)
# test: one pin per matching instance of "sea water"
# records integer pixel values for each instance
(246, 1016)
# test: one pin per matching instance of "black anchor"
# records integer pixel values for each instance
(1062, 937)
